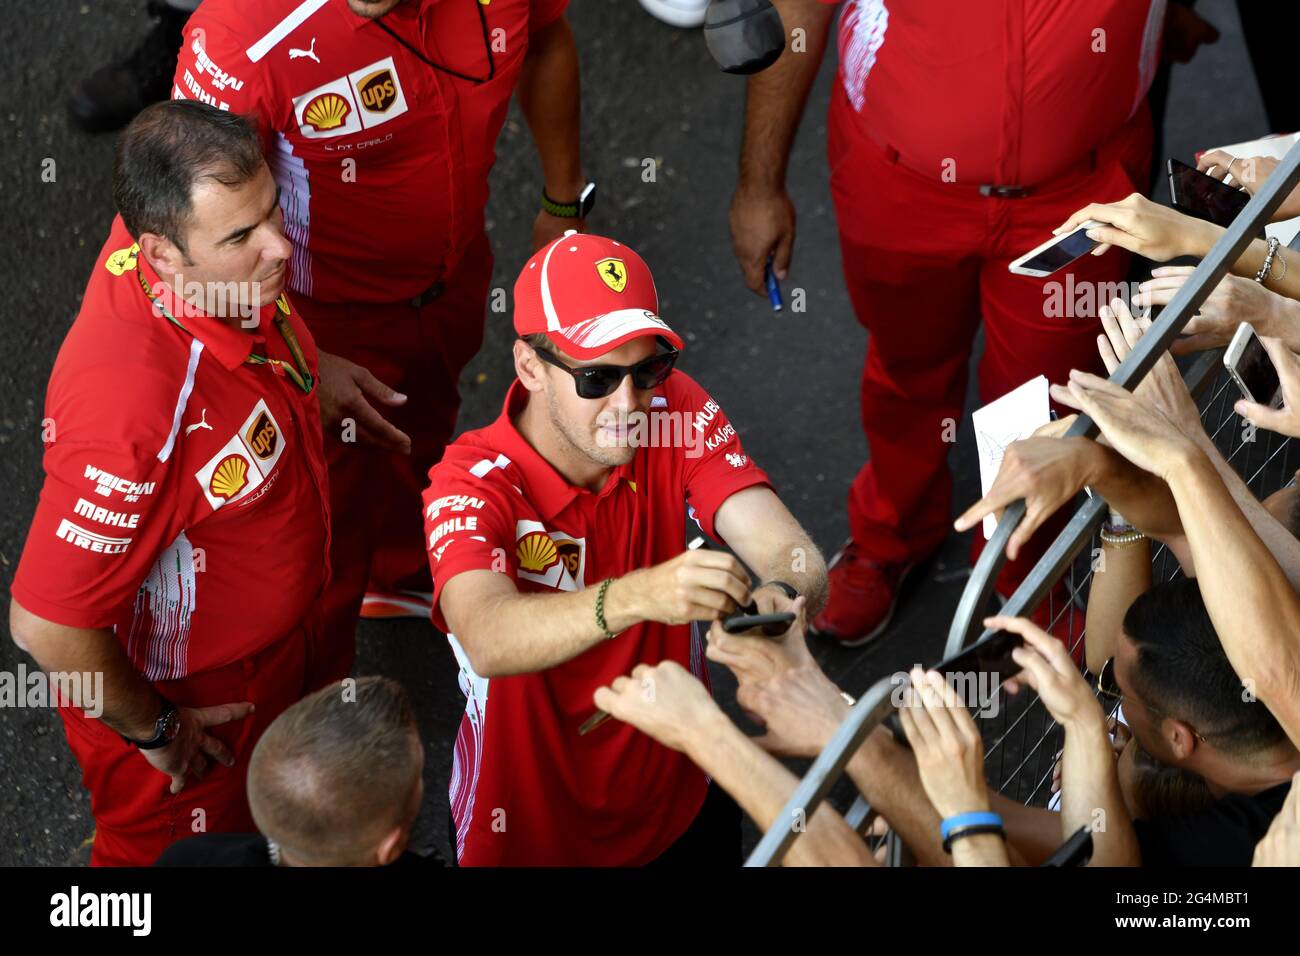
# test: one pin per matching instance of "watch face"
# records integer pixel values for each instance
(171, 725)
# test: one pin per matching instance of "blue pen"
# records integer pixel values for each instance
(773, 287)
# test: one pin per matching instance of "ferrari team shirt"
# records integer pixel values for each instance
(526, 788)
(184, 502)
(1007, 92)
(381, 153)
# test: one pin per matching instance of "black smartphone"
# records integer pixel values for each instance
(1204, 197)
(772, 625)
(989, 656)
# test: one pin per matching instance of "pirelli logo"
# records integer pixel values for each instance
(88, 540)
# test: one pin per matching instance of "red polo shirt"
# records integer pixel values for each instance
(184, 496)
(525, 787)
(1010, 92)
(382, 159)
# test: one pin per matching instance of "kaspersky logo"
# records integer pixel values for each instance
(106, 484)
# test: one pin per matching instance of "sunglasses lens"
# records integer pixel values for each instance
(652, 372)
(597, 382)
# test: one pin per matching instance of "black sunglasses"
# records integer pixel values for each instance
(597, 381)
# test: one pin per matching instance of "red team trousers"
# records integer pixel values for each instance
(925, 261)
(136, 815)
(375, 496)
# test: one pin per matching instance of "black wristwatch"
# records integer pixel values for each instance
(577, 209)
(165, 729)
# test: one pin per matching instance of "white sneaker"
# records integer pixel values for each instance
(679, 13)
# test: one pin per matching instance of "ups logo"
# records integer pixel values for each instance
(262, 436)
(570, 555)
(378, 91)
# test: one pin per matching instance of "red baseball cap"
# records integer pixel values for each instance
(589, 295)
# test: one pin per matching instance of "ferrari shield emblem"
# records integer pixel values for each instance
(121, 260)
(613, 273)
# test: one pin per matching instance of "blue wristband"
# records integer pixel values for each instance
(978, 818)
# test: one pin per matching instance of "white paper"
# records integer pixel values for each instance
(1275, 146)
(1016, 415)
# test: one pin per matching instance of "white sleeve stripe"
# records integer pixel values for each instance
(182, 399)
(282, 29)
(487, 464)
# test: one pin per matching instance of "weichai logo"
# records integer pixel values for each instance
(378, 91)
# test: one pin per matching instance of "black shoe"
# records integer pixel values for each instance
(111, 96)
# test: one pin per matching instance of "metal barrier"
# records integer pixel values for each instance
(1023, 734)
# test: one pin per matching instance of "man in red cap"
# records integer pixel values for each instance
(556, 540)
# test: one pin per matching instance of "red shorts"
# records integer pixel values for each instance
(136, 815)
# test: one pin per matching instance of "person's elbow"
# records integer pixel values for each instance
(21, 629)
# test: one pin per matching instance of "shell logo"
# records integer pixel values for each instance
(536, 551)
(229, 477)
(327, 111)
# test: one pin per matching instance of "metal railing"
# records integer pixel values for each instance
(1023, 734)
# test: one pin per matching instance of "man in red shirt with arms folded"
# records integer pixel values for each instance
(180, 545)
(379, 120)
(960, 135)
(556, 538)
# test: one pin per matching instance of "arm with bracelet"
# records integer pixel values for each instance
(1121, 571)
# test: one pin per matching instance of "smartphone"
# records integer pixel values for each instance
(1056, 253)
(1251, 368)
(1202, 196)
(772, 625)
(989, 656)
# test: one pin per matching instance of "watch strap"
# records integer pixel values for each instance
(160, 737)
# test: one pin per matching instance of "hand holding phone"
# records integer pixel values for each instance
(1204, 196)
(1250, 367)
(1056, 253)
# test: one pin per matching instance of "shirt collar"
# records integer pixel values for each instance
(407, 10)
(229, 344)
(545, 488)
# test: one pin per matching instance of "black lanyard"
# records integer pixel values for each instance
(487, 45)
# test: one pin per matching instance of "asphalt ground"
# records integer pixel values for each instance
(788, 381)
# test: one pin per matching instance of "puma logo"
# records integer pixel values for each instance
(295, 54)
(201, 423)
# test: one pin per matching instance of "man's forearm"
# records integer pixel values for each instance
(886, 775)
(1281, 543)
(775, 98)
(1252, 604)
(1091, 797)
(130, 705)
(550, 99)
(799, 563)
(762, 786)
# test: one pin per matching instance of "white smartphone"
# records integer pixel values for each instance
(1057, 252)
(1251, 368)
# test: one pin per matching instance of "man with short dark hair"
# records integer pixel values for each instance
(336, 780)
(1187, 708)
(180, 546)
(556, 538)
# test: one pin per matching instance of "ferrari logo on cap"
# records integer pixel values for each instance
(613, 273)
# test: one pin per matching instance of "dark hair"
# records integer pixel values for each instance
(1183, 672)
(337, 769)
(166, 151)
(539, 341)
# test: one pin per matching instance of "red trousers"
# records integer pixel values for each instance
(136, 815)
(376, 526)
(925, 260)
